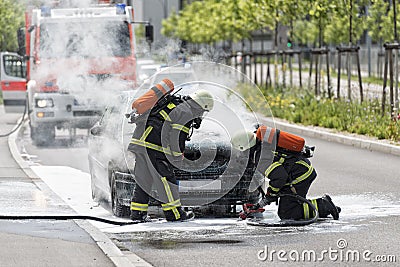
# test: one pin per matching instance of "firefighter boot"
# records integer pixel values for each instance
(140, 216)
(326, 207)
(183, 215)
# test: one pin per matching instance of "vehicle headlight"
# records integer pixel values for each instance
(43, 103)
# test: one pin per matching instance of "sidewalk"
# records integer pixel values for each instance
(43, 242)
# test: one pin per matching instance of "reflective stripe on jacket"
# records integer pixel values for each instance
(288, 171)
(164, 132)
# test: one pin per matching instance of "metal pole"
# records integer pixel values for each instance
(338, 79)
(255, 68)
(329, 78)
(394, 21)
(316, 74)
(396, 102)
(310, 73)
(368, 45)
(396, 92)
(359, 77)
(391, 81)
(385, 71)
(284, 69)
(348, 63)
(300, 69)
(165, 7)
(351, 23)
(291, 70)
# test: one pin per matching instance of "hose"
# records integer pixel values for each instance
(19, 124)
(65, 217)
(122, 223)
(285, 223)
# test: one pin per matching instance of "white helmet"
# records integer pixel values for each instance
(243, 140)
(204, 99)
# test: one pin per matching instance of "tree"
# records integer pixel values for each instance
(347, 22)
(320, 14)
(215, 20)
(295, 11)
(11, 19)
(380, 21)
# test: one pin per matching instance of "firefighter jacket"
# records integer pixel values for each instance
(167, 129)
(281, 167)
(288, 170)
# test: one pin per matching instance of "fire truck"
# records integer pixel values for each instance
(76, 60)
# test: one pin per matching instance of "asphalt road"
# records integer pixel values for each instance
(364, 183)
(37, 242)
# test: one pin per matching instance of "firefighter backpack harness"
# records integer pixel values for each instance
(290, 144)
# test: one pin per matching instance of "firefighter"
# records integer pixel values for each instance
(158, 143)
(288, 172)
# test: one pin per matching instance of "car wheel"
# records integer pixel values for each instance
(118, 208)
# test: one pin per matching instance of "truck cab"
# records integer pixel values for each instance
(77, 59)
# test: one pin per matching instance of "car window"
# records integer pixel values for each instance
(14, 66)
(113, 117)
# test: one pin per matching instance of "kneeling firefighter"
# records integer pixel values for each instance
(158, 143)
(283, 159)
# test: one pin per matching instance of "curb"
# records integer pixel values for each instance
(354, 141)
(12, 144)
(110, 249)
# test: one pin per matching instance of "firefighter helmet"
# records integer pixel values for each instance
(243, 140)
(204, 99)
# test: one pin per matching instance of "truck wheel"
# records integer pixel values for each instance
(43, 134)
(118, 208)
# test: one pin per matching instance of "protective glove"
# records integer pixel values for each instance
(270, 196)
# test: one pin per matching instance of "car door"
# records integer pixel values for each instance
(13, 81)
(99, 155)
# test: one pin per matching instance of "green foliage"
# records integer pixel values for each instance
(305, 32)
(380, 21)
(140, 33)
(11, 19)
(169, 25)
(338, 30)
(215, 20)
(300, 106)
(315, 22)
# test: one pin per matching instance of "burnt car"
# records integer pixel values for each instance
(213, 179)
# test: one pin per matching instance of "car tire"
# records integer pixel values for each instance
(118, 208)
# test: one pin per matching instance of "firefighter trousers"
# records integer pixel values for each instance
(154, 177)
(290, 207)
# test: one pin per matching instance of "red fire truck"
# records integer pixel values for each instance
(76, 59)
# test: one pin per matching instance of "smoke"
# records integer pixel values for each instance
(213, 54)
(85, 57)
